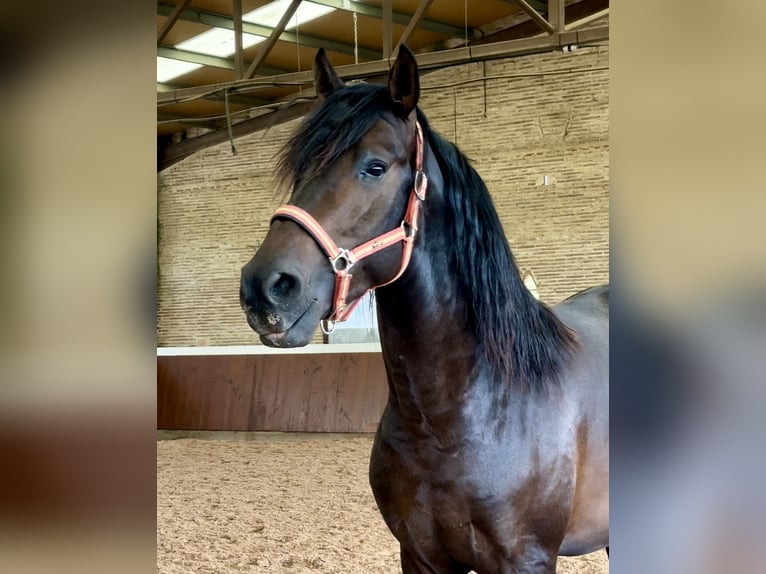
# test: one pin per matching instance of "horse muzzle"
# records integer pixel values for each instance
(278, 303)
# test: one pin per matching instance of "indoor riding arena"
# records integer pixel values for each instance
(262, 452)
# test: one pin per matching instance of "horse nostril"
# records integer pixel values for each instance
(281, 287)
(284, 285)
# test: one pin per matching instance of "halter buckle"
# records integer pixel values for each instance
(420, 184)
(343, 261)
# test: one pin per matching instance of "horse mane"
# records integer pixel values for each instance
(521, 338)
(332, 128)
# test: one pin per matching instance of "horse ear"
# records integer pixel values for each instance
(404, 82)
(326, 81)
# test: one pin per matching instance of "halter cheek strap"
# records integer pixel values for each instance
(343, 260)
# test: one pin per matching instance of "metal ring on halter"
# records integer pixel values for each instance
(327, 326)
(346, 256)
(409, 230)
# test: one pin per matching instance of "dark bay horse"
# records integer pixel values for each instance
(492, 452)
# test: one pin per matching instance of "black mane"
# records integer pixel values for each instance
(520, 338)
(332, 128)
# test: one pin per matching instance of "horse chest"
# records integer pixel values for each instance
(463, 502)
(415, 501)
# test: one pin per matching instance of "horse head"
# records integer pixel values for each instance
(354, 169)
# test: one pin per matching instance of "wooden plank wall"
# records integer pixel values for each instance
(311, 393)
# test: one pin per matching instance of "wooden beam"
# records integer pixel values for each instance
(556, 15)
(413, 23)
(528, 28)
(246, 101)
(172, 19)
(398, 17)
(266, 47)
(387, 29)
(207, 60)
(535, 16)
(441, 59)
(189, 121)
(217, 20)
(353, 71)
(239, 59)
(176, 152)
(582, 22)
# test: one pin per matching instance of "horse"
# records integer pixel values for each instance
(492, 451)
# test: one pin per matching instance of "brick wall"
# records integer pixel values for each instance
(517, 126)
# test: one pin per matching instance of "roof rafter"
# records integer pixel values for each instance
(172, 19)
(189, 122)
(396, 17)
(586, 20)
(265, 49)
(247, 101)
(412, 24)
(387, 28)
(575, 12)
(239, 53)
(537, 18)
(216, 20)
(176, 152)
(207, 60)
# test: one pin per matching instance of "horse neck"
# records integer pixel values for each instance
(431, 358)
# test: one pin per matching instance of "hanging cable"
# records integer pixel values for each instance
(356, 38)
(298, 47)
(454, 112)
(228, 121)
(484, 84)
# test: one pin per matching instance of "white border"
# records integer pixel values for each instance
(316, 349)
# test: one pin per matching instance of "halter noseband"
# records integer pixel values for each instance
(342, 260)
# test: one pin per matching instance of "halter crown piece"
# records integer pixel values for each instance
(343, 260)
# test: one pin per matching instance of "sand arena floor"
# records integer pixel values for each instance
(278, 504)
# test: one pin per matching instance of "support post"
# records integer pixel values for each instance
(556, 15)
(239, 60)
(387, 29)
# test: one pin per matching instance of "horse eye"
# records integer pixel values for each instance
(375, 169)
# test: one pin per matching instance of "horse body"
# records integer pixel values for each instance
(471, 473)
(492, 452)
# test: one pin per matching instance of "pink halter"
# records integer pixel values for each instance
(343, 260)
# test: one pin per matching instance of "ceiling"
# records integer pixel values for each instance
(202, 72)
